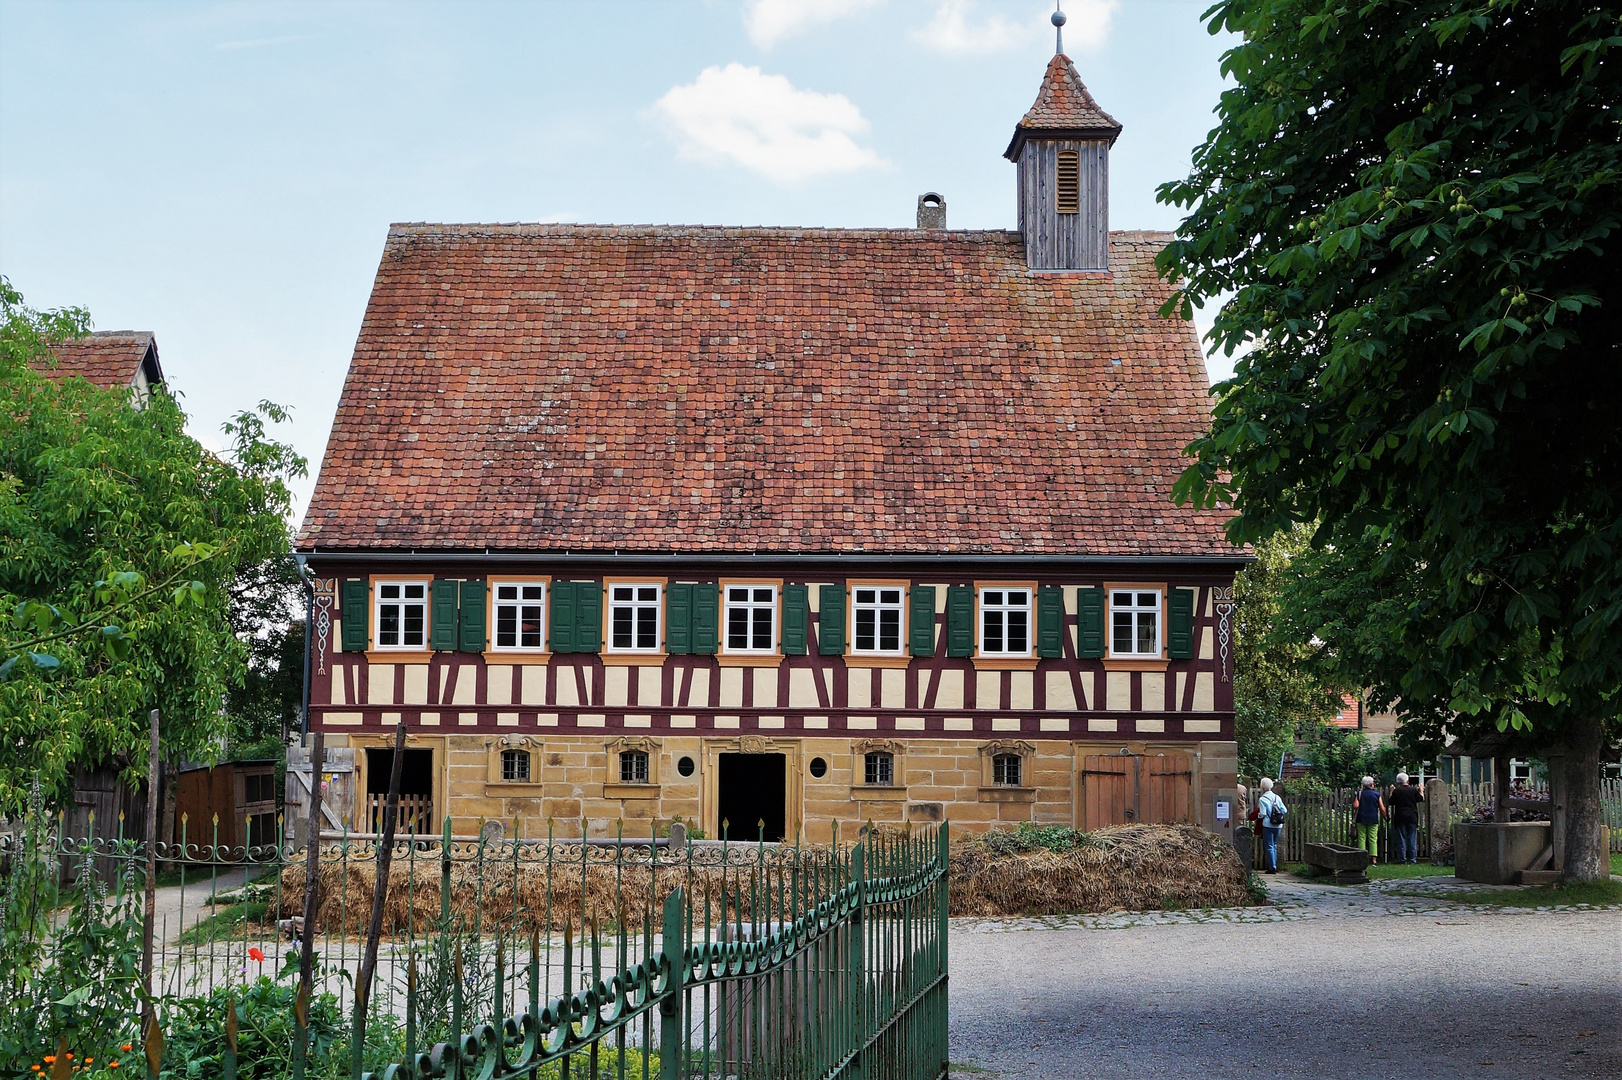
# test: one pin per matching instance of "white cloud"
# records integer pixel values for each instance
(958, 29)
(763, 123)
(770, 21)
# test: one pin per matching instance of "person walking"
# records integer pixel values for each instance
(1370, 809)
(1270, 813)
(1403, 806)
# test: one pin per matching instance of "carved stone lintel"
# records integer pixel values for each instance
(881, 746)
(1008, 746)
(753, 744)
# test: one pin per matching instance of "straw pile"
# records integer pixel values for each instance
(344, 895)
(1123, 868)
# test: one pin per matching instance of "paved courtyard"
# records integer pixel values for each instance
(1333, 982)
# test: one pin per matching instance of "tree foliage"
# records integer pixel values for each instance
(1281, 689)
(120, 540)
(1414, 205)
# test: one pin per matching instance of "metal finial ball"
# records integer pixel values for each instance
(1058, 18)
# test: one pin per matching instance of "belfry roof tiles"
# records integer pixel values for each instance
(535, 388)
(107, 358)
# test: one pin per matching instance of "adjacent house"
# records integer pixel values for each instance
(111, 358)
(768, 528)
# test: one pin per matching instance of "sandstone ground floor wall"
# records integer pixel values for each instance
(576, 784)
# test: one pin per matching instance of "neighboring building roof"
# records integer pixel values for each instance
(109, 358)
(1350, 714)
(1063, 108)
(659, 389)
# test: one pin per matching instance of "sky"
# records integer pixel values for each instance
(224, 174)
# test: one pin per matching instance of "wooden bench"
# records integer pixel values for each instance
(1344, 864)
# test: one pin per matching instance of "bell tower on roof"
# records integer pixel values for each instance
(1061, 147)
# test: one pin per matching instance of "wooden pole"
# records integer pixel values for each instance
(380, 890)
(306, 932)
(149, 910)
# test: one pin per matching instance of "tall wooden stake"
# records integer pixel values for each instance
(306, 973)
(149, 911)
(380, 891)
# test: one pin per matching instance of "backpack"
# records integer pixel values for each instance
(1275, 814)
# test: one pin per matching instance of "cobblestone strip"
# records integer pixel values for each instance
(1292, 900)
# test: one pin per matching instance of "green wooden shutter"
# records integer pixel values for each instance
(959, 620)
(706, 618)
(1050, 621)
(563, 618)
(679, 619)
(831, 630)
(1090, 623)
(1180, 624)
(442, 615)
(354, 615)
(588, 616)
(472, 636)
(796, 617)
(921, 620)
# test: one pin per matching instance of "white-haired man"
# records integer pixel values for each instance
(1270, 813)
(1403, 806)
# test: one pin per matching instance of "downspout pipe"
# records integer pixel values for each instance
(309, 628)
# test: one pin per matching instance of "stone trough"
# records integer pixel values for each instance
(1345, 864)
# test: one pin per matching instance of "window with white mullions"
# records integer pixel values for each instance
(751, 618)
(402, 614)
(520, 616)
(1005, 622)
(880, 769)
(633, 618)
(633, 767)
(1134, 623)
(1005, 770)
(515, 765)
(878, 619)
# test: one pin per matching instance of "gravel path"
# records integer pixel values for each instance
(1332, 982)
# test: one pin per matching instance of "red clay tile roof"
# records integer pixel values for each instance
(658, 389)
(107, 358)
(1064, 106)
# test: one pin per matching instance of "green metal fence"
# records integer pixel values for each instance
(502, 955)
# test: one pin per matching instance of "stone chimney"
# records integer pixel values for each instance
(931, 211)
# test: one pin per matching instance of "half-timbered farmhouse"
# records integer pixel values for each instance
(765, 528)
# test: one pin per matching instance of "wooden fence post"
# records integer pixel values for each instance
(149, 909)
(306, 933)
(380, 890)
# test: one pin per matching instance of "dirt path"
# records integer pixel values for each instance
(1332, 982)
(175, 910)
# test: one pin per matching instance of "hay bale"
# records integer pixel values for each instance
(1123, 868)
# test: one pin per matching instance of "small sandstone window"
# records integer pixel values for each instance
(819, 767)
(685, 766)
(1069, 186)
(515, 765)
(1005, 770)
(633, 767)
(880, 769)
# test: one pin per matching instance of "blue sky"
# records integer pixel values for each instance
(224, 174)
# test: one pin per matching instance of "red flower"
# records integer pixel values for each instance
(256, 954)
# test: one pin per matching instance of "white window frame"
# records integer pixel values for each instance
(402, 602)
(1005, 608)
(528, 769)
(1019, 767)
(877, 606)
(1135, 609)
(496, 604)
(636, 605)
(644, 760)
(754, 605)
(885, 762)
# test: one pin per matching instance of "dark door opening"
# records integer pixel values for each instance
(753, 789)
(416, 789)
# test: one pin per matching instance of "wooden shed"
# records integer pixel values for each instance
(241, 793)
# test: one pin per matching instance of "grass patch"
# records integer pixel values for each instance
(1597, 893)
(1388, 871)
(226, 923)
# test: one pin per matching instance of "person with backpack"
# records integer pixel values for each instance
(1270, 814)
(1370, 809)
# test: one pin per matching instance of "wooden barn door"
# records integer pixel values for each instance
(1118, 789)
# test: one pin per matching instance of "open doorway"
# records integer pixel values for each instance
(753, 788)
(416, 789)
